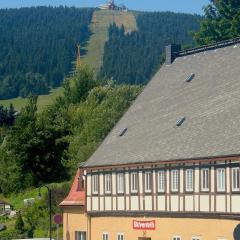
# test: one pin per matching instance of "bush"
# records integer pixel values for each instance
(10, 234)
(19, 224)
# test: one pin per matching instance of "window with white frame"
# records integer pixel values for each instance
(120, 183)
(95, 184)
(161, 181)
(105, 236)
(120, 236)
(176, 238)
(107, 183)
(174, 180)
(134, 182)
(189, 180)
(221, 179)
(148, 181)
(196, 238)
(235, 179)
(80, 235)
(205, 179)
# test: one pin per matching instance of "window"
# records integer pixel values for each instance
(95, 184)
(148, 182)
(123, 132)
(189, 180)
(134, 183)
(120, 183)
(107, 183)
(180, 121)
(120, 236)
(161, 181)
(235, 179)
(175, 180)
(80, 235)
(105, 236)
(221, 179)
(196, 238)
(176, 238)
(205, 179)
(190, 77)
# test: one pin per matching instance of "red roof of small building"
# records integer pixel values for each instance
(75, 197)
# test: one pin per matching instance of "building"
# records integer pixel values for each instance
(5, 207)
(110, 5)
(170, 167)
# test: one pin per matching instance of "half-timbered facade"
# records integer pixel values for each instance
(170, 168)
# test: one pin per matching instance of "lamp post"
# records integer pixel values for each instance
(50, 206)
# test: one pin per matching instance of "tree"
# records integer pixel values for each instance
(78, 86)
(10, 177)
(38, 143)
(222, 22)
(134, 57)
(19, 224)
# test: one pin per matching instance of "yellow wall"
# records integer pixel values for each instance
(74, 219)
(166, 228)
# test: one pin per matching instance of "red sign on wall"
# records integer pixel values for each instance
(144, 225)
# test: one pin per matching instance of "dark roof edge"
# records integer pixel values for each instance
(212, 46)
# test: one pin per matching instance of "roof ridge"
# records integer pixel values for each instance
(208, 47)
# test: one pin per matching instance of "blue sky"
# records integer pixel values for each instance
(189, 6)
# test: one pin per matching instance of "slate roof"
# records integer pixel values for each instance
(210, 103)
(2, 202)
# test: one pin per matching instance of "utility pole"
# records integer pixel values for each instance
(78, 63)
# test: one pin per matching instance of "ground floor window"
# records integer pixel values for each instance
(176, 238)
(80, 235)
(120, 236)
(105, 236)
(196, 238)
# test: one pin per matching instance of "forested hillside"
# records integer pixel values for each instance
(134, 57)
(38, 47)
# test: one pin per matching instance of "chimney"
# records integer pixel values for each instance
(81, 180)
(171, 52)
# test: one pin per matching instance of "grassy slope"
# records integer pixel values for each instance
(95, 50)
(95, 46)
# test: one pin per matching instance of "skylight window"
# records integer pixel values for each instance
(180, 121)
(123, 132)
(190, 77)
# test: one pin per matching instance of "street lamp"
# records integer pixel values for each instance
(50, 206)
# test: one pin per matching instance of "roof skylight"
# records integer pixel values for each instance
(180, 121)
(190, 77)
(123, 132)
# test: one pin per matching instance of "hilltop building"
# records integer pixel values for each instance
(110, 5)
(170, 167)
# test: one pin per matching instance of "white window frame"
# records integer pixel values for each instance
(121, 235)
(95, 183)
(81, 235)
(176, 238)
(189, 180)
(134, 182)
(107, 183)
(221, 179)
(161, 181)
(120, 183)
(148, 181)
(105, 236)
(205, 183)
(235, 179)
(196, 238)
(175, 180)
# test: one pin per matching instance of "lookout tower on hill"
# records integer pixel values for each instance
(110, 5)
